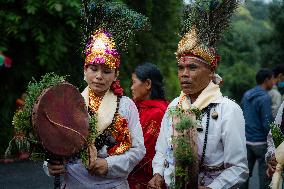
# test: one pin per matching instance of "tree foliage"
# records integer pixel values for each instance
(241, 48)
(39, 36)
(159, 45)
(274, 43)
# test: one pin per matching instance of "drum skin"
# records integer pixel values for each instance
(60, 120)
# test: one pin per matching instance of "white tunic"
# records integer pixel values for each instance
(226, 145)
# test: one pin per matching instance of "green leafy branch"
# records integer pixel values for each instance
(183, 150)
(185, 121)
(277, 135)
(93, 134)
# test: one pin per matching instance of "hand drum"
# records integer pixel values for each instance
(60, 120)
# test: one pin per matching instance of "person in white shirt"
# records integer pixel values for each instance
(220, 129)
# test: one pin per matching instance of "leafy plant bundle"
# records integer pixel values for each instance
(184, 145)
(93, 134)
(277, 135)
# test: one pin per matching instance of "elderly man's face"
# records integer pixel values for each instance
(194, 75)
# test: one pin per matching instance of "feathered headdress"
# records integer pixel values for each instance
(202, 26)
(110, 25)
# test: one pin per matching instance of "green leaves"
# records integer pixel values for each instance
(42, 26)
(185, 117)
(242, 49)
(93, 131)
(93, 134)
(277, 135)
(183, 151)
(32, 6)
(35, 88)
(184, 141)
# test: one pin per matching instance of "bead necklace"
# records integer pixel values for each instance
(207, 112)
(94, 101)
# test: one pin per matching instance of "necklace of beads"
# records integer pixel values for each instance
(94, 101)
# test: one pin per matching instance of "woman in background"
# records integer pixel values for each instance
(149, 96)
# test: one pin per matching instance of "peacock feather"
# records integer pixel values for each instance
(115, 17)
(210, 18)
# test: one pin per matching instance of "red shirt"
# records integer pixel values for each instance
(151, 113)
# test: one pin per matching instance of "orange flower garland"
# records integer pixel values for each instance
(121, 134)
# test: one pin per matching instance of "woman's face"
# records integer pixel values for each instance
(99, 77)
(140, 90)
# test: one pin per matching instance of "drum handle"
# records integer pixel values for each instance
(56, 178)
(57, 181)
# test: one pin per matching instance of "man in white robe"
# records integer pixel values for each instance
(222, 145)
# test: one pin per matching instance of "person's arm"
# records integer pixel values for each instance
(270, 147)
(160, 155)
(122, 165)
(235, 154)
(275, 102)
(161, 148)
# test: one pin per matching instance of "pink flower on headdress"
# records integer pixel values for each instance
(108, 51)
(99, 60)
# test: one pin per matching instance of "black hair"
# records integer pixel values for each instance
(150, 71)
(278, 70)
(262, 75)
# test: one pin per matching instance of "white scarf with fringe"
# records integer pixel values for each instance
(106, 110)
(210, 94)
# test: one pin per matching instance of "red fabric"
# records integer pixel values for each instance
(116, 88)
(8, 62)
(151, 113)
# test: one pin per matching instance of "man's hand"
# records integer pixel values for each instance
(156, 182)
(271, 164)
(56, 167)
(100, 167)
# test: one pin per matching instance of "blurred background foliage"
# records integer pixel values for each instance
(45, 36)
